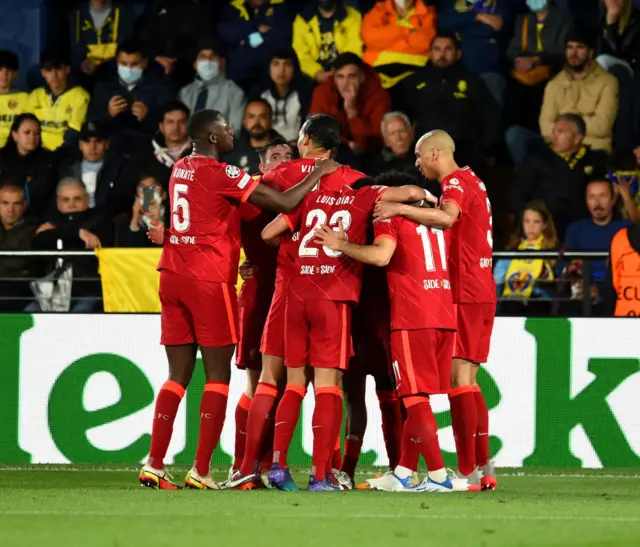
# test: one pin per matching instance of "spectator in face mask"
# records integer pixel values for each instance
(535, 53)
(128, 98)
(480, 24)
(211, 88)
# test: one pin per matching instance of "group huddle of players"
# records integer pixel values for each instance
(356, 276)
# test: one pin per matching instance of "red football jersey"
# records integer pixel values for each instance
(320, 273)
(203, 240)
(287, 175)
(470, 257)
(418, 277)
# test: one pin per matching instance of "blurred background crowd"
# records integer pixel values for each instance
(541, 96)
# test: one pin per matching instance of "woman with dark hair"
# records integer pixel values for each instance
(25, 163)
(525, 278)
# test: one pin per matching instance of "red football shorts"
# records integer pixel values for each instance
(318, 333)
(475, 324)
(273, 334)
(254, 302)
(195, 311)
(371, 341)
(422, 360)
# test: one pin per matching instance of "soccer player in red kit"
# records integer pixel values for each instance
(422, 337)
(466, 209)
(323, 287)
(198, 272)
(318, 139)
(255, 296)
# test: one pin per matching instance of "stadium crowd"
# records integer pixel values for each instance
(542, 98)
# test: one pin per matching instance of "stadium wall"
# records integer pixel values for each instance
(80, 389)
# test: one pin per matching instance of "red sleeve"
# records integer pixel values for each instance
(452, 191)
(234, 183)
(248, 212)
(386, 228)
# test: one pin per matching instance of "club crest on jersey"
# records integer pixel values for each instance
(232, 171)
(454, 182)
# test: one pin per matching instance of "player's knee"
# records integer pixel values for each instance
(253, 377)
(461, 373)
(297, 377)
(326, 377)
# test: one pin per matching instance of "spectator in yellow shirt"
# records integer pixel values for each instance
(322, 31)
(12, 102)
(397, 35)
(60, 108)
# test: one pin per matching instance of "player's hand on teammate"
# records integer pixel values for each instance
(385, 210)
(156, 232)
(332, 238)
(91, 241)
(247, 270)
(327, 166)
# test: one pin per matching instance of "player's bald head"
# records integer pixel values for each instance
(202, 123)
(436, 140)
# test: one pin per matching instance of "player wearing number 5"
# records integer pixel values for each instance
(198, 271)
(323, 287)
(466, 209)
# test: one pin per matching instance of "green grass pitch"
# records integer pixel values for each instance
(105, 507)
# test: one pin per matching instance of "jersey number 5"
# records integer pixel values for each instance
(180, 212)
(318, 217)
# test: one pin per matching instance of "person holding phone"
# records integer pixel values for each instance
(148, 207)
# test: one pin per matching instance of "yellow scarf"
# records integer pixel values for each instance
(523, 273)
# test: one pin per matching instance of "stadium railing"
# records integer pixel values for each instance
(586, 257)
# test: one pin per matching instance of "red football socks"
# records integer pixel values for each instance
(323, 423)
(392, 424)
(287, 417)
(352, 448)
(242, 413)
(420, 435)
(164, 415)
(212, 413)
(482, 434)
(464, 419)
(256, 425)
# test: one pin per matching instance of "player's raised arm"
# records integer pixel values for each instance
(443, 217)
(408, 194)
(378, 254)
(267, 198)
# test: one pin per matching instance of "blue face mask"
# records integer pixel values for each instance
(536, 5)
(208, 70)
(129, 75)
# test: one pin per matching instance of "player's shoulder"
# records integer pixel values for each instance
(350, 174)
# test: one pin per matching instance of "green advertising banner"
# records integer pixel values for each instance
(81, 389)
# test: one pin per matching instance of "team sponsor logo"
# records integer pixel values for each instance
(232, 171)
(570, 402)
